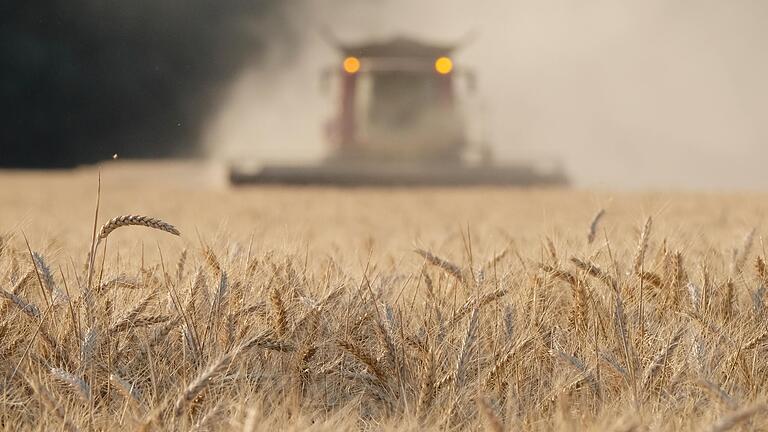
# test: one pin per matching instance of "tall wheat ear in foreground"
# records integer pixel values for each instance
(135, 220)
(627, 333)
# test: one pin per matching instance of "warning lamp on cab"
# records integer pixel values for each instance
(351, 65)
(443, 65)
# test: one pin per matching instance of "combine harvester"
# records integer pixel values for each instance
(400, 122)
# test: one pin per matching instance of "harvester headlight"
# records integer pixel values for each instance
(351, 65)
(443, 65)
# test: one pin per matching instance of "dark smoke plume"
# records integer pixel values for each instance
(83, 79)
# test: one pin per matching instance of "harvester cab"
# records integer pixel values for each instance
(400, 121)
(398, 103)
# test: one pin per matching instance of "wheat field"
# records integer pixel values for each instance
(376, 309)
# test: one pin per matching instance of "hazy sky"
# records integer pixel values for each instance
(652, 93)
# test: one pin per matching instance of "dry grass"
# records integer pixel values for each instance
(454, 313)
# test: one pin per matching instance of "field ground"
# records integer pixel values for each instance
(309, 307)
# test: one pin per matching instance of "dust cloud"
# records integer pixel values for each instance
(637, 94)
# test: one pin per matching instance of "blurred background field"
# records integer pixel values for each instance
(57, 207)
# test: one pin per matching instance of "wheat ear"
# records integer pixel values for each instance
(466, 349)
(734, 419)
(427, 389)
(201, 382)
(136, 220)
(76, 383)
(492, 421)
(593, 226)
(23, 306)
(133, 314)
(596, 272)
(477, 303)
(128, 390)
(642, 247)
(494, 375)
(49, 402)
(449, 267)
(661, 359)
(279, 314)
(365, 359)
